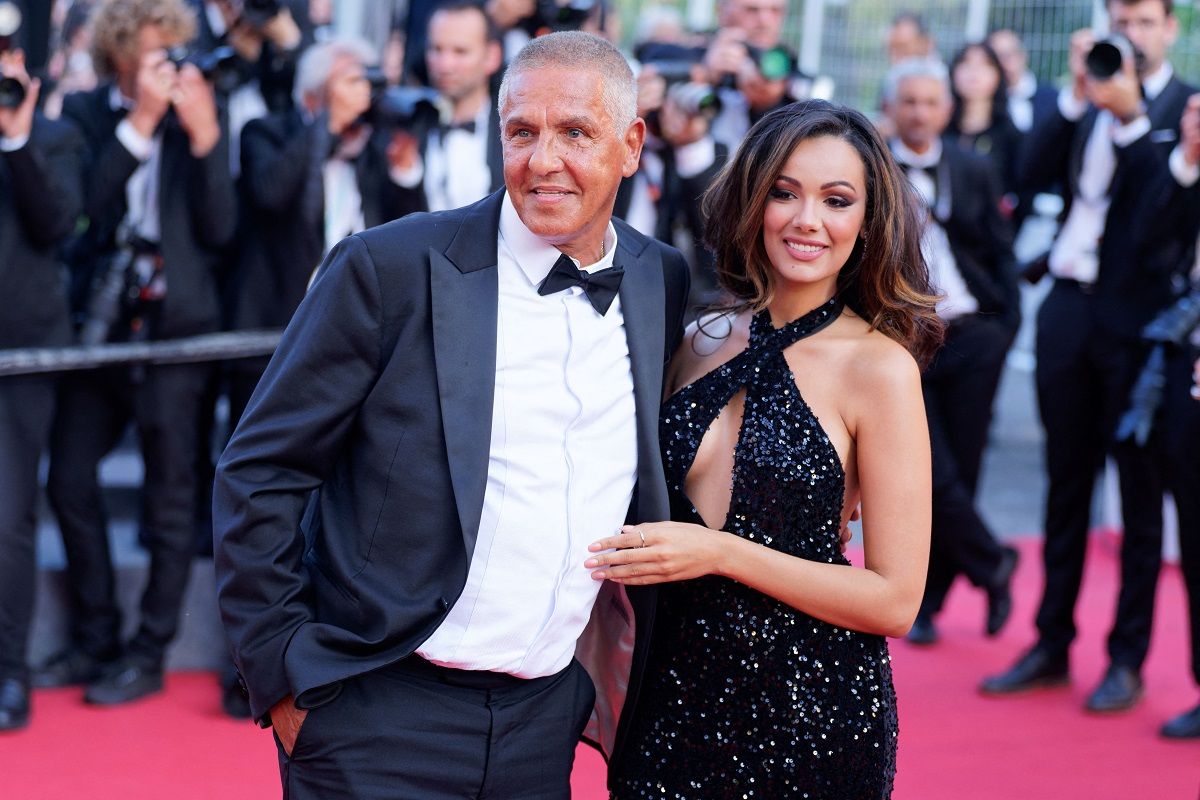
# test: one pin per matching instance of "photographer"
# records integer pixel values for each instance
(451, 156)
(312, 176)
(1108, 141)
(1172, 211)
(40, 163)
(160, 204)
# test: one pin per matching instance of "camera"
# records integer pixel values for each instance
(396, 106)
(695, 99)
(774, 64)
(563, 15)
(1107, 55)
(259, 12)
(12, 91)
(219, 66)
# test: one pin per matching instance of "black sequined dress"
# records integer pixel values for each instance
(744, 696)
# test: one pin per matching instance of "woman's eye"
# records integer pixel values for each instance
(781, 194)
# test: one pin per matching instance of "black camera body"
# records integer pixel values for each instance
(259, 12)
(560, 15)
(397, 106)
(1107, 55)
(219, 66)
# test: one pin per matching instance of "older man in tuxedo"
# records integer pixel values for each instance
(463, 402)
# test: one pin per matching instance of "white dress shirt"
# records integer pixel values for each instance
(455, 166)
(1075, 254)
(561, 469)
(944, 273)
(1020, 102)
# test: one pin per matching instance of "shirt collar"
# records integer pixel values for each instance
(1154, 83)
(118, 101)
(534, 255)
(908, 158)
(1026, 87)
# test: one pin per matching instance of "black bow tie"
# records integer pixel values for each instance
(466, 127)
(600, 287)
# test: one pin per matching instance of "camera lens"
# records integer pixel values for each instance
(1104, 60)
(12, 93)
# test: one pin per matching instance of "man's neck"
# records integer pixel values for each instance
(466, 108)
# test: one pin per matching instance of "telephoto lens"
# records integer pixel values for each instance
(1106, 57)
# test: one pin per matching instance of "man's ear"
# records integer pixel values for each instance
(635, 137)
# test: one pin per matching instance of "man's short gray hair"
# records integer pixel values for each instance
(317, 62)
(575, 50)
(914, 68)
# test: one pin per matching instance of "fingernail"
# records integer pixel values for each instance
(594, 546)
(591, 562)
(599, 575)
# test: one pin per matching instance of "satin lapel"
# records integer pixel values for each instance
(464, 294)
(643, 304)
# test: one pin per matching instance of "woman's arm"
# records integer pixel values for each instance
(892, 442)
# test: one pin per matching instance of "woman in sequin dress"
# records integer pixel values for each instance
(768, 673)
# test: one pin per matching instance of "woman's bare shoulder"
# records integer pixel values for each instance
(874, 362)
(707, 343)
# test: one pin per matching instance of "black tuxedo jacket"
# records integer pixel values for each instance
(980, 237)
(348, 501)
(41, 194)
(1137, 271)
(282, 158)
(196, 206)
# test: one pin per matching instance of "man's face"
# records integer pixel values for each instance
(762, 20)
(564, 157)
(1011, 53)
(905, 40)
(459, 56)
(921, 111)
(1148, 26)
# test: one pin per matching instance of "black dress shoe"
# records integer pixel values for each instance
(124, 682)
(1185, 726)
(1119, 691)
(70, 667)
(923, 632)
(1038, 668)
(14, 704)
(999, 592)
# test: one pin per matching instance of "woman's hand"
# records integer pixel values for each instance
(659, 552)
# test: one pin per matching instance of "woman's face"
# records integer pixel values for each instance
(815, 213)
(975, 78)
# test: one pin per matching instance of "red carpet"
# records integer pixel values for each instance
(953, 743)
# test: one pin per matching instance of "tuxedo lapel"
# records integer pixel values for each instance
(643, 303)
(464, 295)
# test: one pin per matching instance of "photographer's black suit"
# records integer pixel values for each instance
(40, 197)
(348, 501)
(196, 206)
(1088, 356)
(960, 384)
(284, 192)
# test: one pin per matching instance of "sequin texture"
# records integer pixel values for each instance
(744, 696)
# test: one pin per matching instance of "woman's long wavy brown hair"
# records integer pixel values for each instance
(885, 280)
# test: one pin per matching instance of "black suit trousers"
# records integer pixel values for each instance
(94, 410)
(1180, 438)
(26, 408)
(414, 730)
(1084, 377)
(959, 388)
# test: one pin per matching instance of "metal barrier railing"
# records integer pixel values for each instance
(206, 347)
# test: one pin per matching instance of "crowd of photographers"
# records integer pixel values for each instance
(190, 162)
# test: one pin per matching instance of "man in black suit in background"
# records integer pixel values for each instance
(452, 156)
(40, 198)
(310, 176)
(968, 246)
(455, 413)
(160, 204)
(1108, 141)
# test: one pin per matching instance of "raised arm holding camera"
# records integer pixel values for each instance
(160, 205)
(40, 162)
(1108, 142)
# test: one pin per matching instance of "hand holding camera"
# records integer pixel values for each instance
(18, 96)
(1105, 73)
(155, 83)
(196, 110)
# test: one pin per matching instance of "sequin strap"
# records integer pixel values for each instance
(763, 334)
